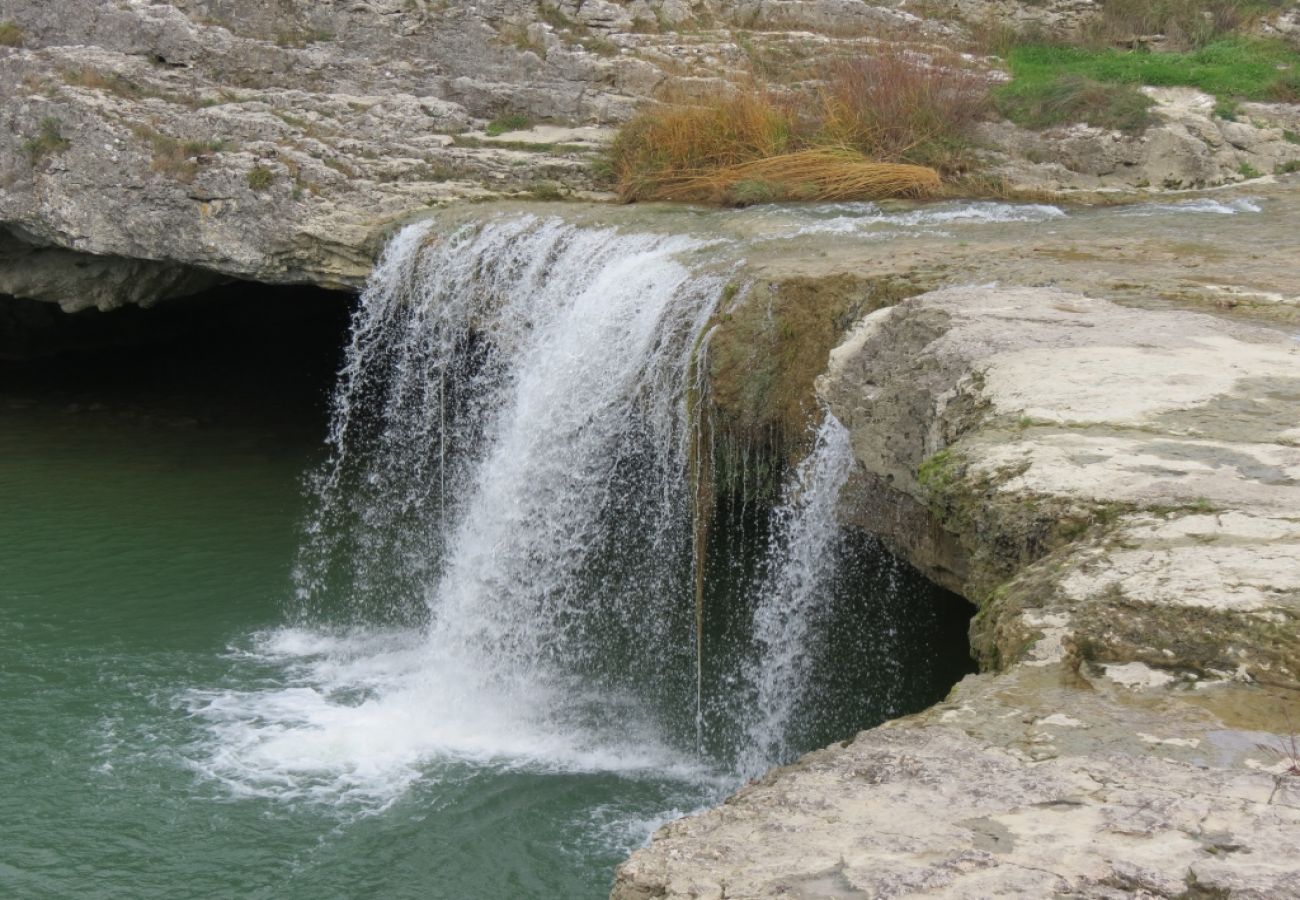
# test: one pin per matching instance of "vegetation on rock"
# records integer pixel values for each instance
(1183, 24)
(260, 178)
(10, 35)
(880, 126)
(1232, 68)
(49, 140)
(503, 124)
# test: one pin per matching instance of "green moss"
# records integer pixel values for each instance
(1191, 639)
(937, 473)
(768, 345)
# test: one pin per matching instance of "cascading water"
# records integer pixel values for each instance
(498, 571)
(487, 686)
(791, 597)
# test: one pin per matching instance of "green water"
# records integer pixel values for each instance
(150, 501)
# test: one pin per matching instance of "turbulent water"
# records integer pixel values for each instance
(479, 680)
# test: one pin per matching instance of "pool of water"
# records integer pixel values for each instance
(151, 505)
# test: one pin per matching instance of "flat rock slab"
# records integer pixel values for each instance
(1120, 490)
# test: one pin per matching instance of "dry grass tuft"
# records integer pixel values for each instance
(895, 105)
(885, 126)
(10, 35)
(808, 175)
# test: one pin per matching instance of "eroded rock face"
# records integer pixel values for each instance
(77, 281)
(1118, 490)
(1062, 439)
(282, 142)
(1187, 146)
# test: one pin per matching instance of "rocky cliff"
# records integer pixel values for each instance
(180, 143)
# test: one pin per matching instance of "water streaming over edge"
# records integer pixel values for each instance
(792, 595)
(507, 493)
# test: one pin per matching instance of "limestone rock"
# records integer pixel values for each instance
(1118, 489)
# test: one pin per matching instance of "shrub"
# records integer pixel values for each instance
(895, 106)
(1186, 24)
(10, 35)
(49, 140)
(260, 178)
(865, 128)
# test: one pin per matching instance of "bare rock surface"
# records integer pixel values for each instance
(1119, 490)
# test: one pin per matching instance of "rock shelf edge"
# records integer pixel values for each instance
(1118, 490)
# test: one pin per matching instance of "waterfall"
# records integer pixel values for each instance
(791, 596)
(500, 562)
(508, 450)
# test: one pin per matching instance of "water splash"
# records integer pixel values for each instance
(506, 488)
(868, 220)
(1202, 205)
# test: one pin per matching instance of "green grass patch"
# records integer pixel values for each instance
(260, 178)
(1230, 69)
(503, 124)
(1227, 110)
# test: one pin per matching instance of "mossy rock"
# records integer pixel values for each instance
(771, 340)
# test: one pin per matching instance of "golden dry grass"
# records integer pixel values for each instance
(808, 175)
(884, 126)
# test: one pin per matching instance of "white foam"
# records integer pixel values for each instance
(1202, 205)
(354, 719)
(868, 220)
